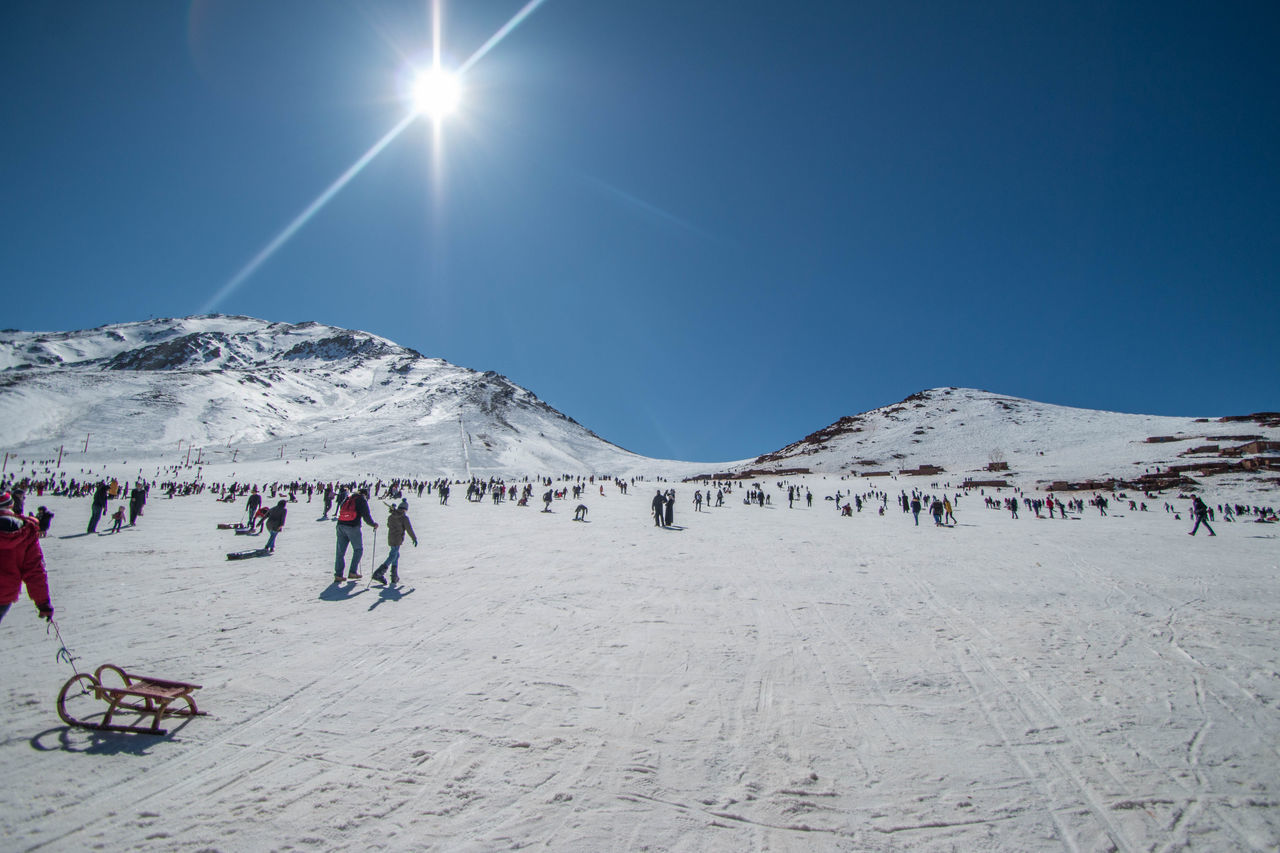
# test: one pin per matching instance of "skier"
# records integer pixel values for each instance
(275, 522)
(350, 512)
(397, 526)
(21, 560)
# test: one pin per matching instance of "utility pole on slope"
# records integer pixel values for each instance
(466, 453)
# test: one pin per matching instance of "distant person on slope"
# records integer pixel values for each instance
(21, 560)
(350, 512)
(398, 525)
(1200, 511)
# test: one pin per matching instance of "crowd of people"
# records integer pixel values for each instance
(22, 561)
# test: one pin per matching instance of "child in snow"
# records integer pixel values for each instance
(117, 518)
(398, 525)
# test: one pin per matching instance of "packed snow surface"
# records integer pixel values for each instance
(753, 679)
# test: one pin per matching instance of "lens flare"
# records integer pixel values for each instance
(436, 93)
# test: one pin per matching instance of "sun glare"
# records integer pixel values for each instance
(436, 93)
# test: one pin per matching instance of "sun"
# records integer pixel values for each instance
(436, 93)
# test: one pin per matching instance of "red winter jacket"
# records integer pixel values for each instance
(21, 560)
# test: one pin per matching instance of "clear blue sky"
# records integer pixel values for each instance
(703, 229)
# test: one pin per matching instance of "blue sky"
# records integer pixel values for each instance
(702, 229)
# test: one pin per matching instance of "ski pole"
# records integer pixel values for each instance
(374, 558)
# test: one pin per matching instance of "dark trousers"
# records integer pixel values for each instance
(1202, 519)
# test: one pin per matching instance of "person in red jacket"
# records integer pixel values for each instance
(21, 560)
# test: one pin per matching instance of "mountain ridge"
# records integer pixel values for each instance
(242, 391)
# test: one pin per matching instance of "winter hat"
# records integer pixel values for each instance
(404, 503)
(6, 501)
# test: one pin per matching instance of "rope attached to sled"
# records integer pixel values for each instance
(63, 653)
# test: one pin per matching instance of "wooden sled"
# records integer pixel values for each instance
(135, 694)
(237, 526)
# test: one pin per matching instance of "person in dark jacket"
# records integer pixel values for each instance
(275, 522)
(21, 560)
(99, 506)
(1200, 511)
(659, 505)
(350, 512)
(137, 499)
(255, 501)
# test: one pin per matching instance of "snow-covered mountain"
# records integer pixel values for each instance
(302, 400)
(978, 435)
(222, 389)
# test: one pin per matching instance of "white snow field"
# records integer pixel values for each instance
(758, 679)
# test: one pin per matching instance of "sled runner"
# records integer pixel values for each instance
(140, 695)
(252, 552)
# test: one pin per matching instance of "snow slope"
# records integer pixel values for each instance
(963, 430)
(226, 391)
(758, 679)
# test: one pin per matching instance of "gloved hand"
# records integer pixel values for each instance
(46, 611)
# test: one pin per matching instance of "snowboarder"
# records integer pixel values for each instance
(398, 525)
(21, 560)
(580, 514)
(350, 513)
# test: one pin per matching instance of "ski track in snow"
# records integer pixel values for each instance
(761, 679)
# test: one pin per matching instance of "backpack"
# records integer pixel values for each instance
(347, 512)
